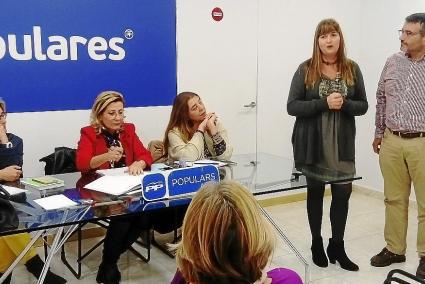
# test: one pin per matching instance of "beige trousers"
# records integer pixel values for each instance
(402, 163)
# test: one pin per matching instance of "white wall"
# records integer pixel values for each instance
(285, 40)
(286, 37)
(221, 61)
(43, 131)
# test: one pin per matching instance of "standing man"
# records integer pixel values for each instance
(400, 141)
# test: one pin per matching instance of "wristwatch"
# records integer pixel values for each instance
(7, 145)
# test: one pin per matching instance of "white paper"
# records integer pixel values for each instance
(209, 162)
(199, 163)
(115, 185)
(55, 202)
(13, 190)
(113, 172)
(157, 167)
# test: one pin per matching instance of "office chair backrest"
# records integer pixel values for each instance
(59, 162)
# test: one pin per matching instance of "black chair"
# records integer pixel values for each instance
(62, 160)
(393, 278)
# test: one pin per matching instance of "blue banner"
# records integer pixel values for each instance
(59, 55)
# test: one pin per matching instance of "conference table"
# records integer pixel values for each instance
(262, 173)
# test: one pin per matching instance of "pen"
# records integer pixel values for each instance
(97, 204)
(134, 191)
(229, 162)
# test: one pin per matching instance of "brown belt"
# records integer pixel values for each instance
(408, 134)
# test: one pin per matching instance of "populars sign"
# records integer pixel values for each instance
(59, 55)
(60, 48)
(189, 180)
(178, 182)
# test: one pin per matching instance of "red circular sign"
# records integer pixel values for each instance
(217, 14)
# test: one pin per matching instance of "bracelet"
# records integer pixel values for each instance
(6, 145)
(216, 138)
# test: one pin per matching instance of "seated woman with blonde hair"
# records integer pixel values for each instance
(110, 142)
(225, 239)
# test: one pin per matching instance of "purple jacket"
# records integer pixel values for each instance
(278, 276)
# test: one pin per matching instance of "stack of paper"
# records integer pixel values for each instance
(42, 183)
(55, 202)
(115, 184)
(13, 190)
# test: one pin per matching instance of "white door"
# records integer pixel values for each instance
(218, 60)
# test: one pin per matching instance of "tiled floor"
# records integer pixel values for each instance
(364, 238)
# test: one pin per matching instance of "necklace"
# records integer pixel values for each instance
(328, 63)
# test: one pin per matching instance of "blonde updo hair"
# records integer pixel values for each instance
(225, 239)
(103, 100)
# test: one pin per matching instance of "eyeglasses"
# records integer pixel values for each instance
(3, 115)
(407, 33)
(116, 114)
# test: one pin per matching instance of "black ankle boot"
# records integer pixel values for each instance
(108, 273)
(318, 252)
(35, 266)
(336, 252)
(8, 279)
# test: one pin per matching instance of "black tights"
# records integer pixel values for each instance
(121, 234)
(339, 207)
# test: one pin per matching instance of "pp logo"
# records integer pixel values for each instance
(154, 187)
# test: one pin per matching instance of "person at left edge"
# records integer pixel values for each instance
(11, 160)
(109, 142)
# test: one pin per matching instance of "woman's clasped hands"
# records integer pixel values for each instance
(209, 124)
(335, 101)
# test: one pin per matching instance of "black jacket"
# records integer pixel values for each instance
(14, 155)
(307, 106)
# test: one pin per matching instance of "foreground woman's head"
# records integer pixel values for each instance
(225, 239)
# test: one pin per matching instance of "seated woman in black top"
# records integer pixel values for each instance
(11, 160)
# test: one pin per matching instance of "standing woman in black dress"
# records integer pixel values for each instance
(327, 92)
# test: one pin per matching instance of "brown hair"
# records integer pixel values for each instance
(225, 239)
(345, 65)
(179, 118)
(2, 105)
(103, 100)
(417, 18)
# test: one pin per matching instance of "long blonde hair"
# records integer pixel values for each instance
(345, 65)
(103, 100)
(225, 239)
